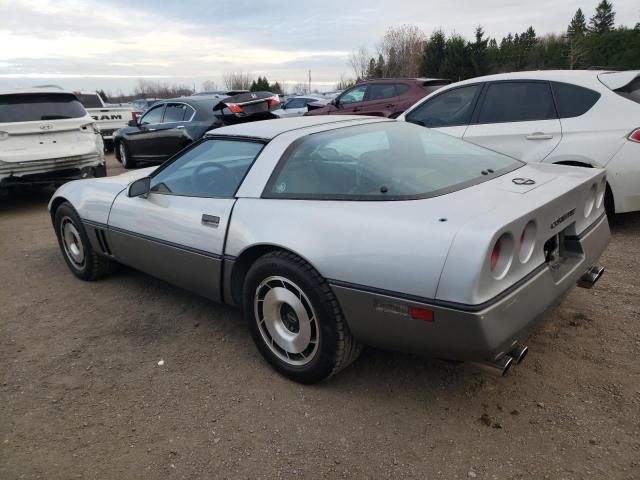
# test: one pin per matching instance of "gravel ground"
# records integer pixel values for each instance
(82, 394)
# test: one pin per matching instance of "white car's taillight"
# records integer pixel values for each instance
(501, 256)
(635, 135)
(527, 241)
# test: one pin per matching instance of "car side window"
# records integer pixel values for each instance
(572, 100)
(401, 88)
(381, 91)
(153, 116)
(517, 102)
(355, 95)
(448, 109)
(177, 112)
(213, 168)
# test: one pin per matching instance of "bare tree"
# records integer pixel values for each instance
(402, 48)
(154, 89)
(343, 83)
(300, 89)
(209, 86)
(358, 60)
(237, 81)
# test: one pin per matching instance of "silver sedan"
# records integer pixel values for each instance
(336, 232)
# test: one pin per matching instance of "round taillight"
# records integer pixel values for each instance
(591, 200)
(527, 241)
(501, 256)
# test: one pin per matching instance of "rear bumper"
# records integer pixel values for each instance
(468, 332)
(54, 173)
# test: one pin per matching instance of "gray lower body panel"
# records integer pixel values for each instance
(193, 271)
(383, 320)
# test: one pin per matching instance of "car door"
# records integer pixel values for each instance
(142, 142)
(171, 134)
(350, 102)
(449, 112)
(380, 99)
(518, 118)
(177, 231)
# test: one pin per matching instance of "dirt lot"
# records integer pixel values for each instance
(82, 394)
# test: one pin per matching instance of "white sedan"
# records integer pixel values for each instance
(581, 118)
(297, 106)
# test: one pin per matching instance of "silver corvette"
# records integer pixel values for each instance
(336, 232)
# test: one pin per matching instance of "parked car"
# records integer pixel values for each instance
(141, 105)
(46, 138)
(581, 118)
(107, 118)
(298, 105)
(332, 232)
(387, 97)
(225, 93)
(171, 125)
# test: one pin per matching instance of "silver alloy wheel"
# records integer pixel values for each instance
(123, 154)
(72, 242)
(286, 320)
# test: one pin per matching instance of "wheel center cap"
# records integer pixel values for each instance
(289, 318)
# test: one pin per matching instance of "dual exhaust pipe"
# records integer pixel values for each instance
(502, 365)
(591, 276)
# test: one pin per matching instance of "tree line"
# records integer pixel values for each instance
(406, 52)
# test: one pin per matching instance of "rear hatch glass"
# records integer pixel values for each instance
(631, 90)
(34, 107)
(89, 100)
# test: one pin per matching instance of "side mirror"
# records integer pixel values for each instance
(132, 123)
(335, 102)
(140, 188)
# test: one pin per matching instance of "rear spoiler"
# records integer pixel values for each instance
(617, 80)
(247, 98)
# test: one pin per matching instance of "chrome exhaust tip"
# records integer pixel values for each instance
(498, 367)
(591, 276)
(518, 353)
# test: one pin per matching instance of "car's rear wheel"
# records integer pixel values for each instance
(76, 248)
(295, 319)
(125, 157)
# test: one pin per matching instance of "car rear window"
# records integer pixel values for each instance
(573, 101)
(89, 100)
(33, 107)
(382, 161)
(631, 90)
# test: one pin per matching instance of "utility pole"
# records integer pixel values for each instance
(309, 90)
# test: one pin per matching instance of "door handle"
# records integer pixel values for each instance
(151, 129)
(180, 126)
(539, 136)
(210, 220)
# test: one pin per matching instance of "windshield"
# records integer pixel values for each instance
(382, 161)
(33, 107)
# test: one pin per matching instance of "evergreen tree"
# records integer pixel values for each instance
(433, 55)
(578, 25)
(478, 53)
(603, 20)
(276, 88)
(380, 67)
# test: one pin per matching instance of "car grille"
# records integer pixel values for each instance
(53, 164)
(107, 132)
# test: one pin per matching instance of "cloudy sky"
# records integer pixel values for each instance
(110, 44)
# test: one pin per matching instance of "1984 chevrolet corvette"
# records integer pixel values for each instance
(336, 232)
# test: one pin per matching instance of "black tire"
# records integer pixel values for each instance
(124, 156)
(609, 205)
(100, 171)
(92, 266)
(336, 347)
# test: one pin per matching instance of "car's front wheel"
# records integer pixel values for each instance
(295, 319)
(125, 158)
(76, 248)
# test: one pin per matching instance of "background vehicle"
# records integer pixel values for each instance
(387, 97)
(141, 105)
(170, 125)
(47, 137)
(226, 93)
(298, 106)
(459, 258)
(582, 118)
(108, 119)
